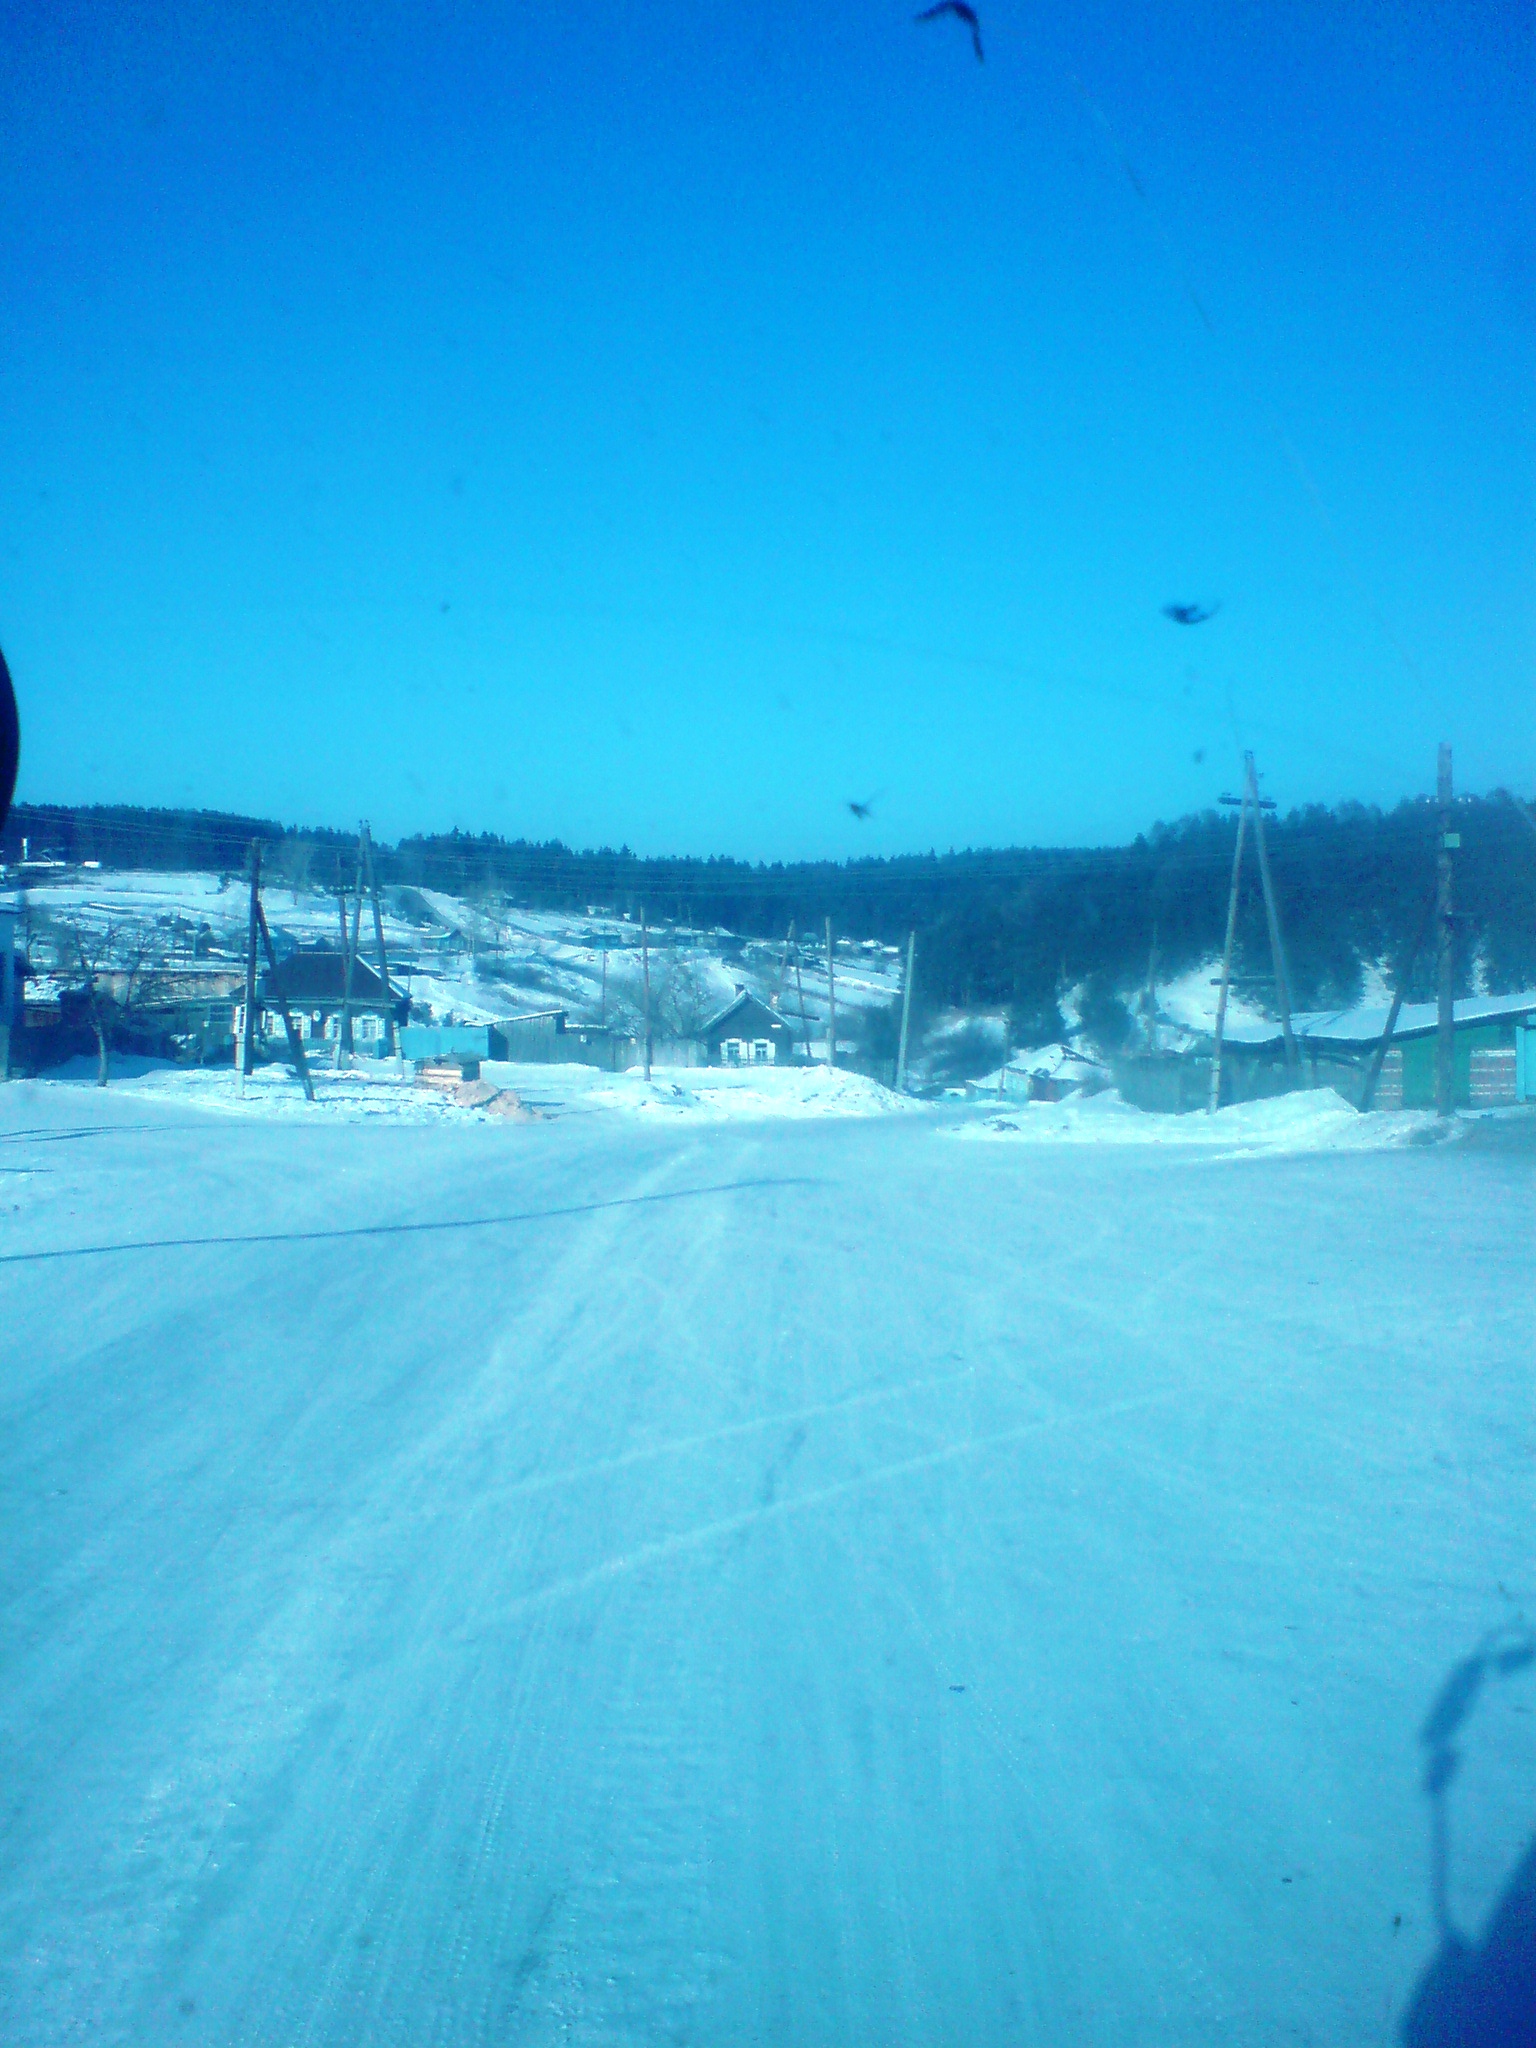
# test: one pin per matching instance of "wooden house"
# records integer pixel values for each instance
(746, 1033)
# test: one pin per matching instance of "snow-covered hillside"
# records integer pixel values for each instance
(474, 962)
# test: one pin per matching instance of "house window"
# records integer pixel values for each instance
(368, 1027)
(733, 1051)
(762, 1051)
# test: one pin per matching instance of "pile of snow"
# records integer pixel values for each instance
(390, 1089)
(1313, 1120)
(726, 1094)
(358, 1095)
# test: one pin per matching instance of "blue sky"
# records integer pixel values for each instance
(662, 424)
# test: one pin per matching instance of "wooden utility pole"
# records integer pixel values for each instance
(1445, 1037)
(603, 1012)
(1405, 974)
(348, 955)
(645, 975)
(341, 905)
(248, 1039)
(391, 1043)
(789, 940)
(352, 953)
(831, 1002)
(295, 1043)
(1226, 956)
(906, 1012)
(1272, 914)
(805, 1027)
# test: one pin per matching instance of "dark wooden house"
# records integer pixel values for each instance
(313, 983)
(746, 1033)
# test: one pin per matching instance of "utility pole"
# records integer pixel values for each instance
(352, 954)
(295, 1043)
(248, 1036)
(778, 994)
(906, 1012)
(1272, 914)
(1384, 1046)
(1445, 1037)
(603, 1013)
(348, 955)
(645, 974)
(831, 1002)
(805, 1028)
(1226, 956)
(391, 1043)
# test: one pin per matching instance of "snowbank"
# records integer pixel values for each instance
(721, 1094)
(378, 1089)
(1314, 1120)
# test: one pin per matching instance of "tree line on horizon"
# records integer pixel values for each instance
(996, 928)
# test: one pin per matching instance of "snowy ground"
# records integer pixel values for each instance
(797, 1580)
(387, 1089)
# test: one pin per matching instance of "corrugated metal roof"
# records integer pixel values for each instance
(1364, 1024)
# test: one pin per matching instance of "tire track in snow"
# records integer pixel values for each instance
(599, 1468)
(667, 1547)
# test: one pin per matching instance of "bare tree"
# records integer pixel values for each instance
(681, 997)
(293, 857)
(119, 967)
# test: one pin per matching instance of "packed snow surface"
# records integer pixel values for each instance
(636, 1578)
(373, 1089)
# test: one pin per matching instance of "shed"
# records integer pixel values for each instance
(1336, 1048)
(1525, 1063)
(1484, 1025)
(535, 1035)
(746, 1033)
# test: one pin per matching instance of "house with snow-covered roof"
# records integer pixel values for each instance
(1494, 1050)
(746, 1033)
(313, 983)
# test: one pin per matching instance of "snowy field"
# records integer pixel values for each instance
(774, 1578)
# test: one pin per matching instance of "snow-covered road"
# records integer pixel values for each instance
(799, 1582)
